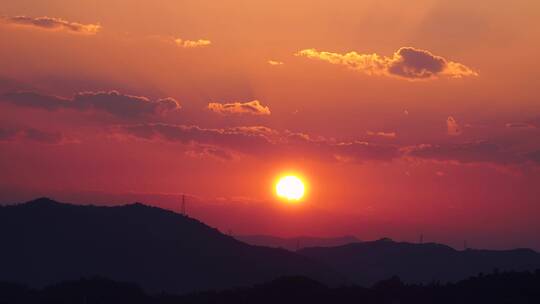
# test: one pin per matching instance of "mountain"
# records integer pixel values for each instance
(296, 242)
(45, 242)
(369, 262)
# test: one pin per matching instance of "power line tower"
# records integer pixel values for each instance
(421, 238)
(184, 205)
(465, 247)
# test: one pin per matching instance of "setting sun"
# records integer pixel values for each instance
(290, 187)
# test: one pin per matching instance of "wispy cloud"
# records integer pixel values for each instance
(192, 43)
(252, 107)
(407, 62)
(275, 62)
(54, 24)
(264, 142)
(528, 124)
(259, 141)
(382, 134)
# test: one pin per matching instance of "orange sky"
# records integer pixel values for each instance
(406, 117)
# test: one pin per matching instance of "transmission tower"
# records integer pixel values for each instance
(184, 205)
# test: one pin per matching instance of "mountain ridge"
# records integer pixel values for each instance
(370, 261)
(295, 243)
(46, 241)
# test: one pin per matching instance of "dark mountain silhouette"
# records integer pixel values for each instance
(511, 287)
(495, 288)
(368, 262)
(44, 241)
(295, 243)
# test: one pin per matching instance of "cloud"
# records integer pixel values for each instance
(51, 23)
(275, 62)
(452, 127)
(529, 124)
(7, 134)
(125, 106)
(112, 102)
(259, 141)
(249, 140)
(192, 43)
(360, 151)
(252, 107)
(31, 134)
(471, 152)
(534, 156)
(264, 142)
(201, 151)
(382, 134)
(407, 62)
(520, 125)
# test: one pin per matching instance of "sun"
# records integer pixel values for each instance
(290, 187)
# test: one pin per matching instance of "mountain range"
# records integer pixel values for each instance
(46, 242)
(368, 262)
(296, 243)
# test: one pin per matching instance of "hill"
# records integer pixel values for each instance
(368, 262)
(45, 242)
(500, 287)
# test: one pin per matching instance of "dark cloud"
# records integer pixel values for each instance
(534, 156)
(11, 85)
(7, 134)
(43, 137)
(31, 134)
(261, 141)
(112, 102)
(248, 140)
(416, 63)
(200, 151)
(360, 151)
(50, 23)
(473, 152)
(125, 106)
(37, 100)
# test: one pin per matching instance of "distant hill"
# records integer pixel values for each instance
(45, 242)
(495, 288)
(369, 262)
(296, 242)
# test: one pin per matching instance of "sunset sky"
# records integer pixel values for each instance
(402, 117)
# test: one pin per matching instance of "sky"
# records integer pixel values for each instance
(402, 117)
